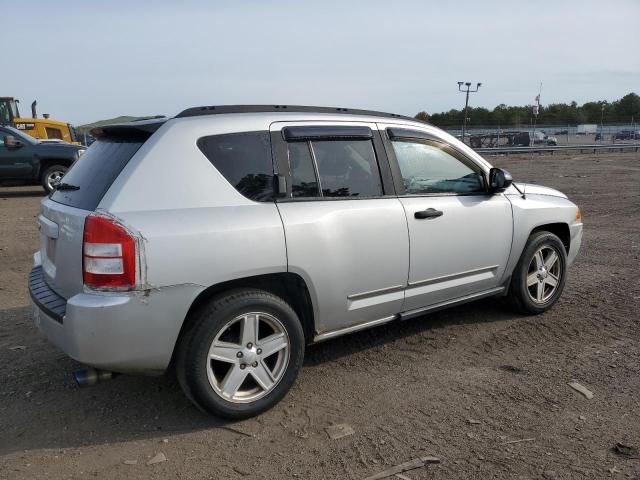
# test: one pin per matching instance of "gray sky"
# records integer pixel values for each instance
(89, 60)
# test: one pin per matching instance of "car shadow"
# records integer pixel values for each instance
(42, 407)
(482, 311)
(17, 193)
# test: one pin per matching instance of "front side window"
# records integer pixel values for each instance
(343, 168)
(244, 159)
(433, 167)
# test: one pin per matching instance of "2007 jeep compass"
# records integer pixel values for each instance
(228, 238)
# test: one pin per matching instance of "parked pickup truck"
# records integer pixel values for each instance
(24, 159)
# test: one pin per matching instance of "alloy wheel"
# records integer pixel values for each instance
(248, 357)
(54, 178)
(543, 275)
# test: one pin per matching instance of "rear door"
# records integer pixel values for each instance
(460, 235)
(346, 232)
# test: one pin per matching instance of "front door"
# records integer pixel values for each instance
(460, 236)
(345, 230)
(15, 162)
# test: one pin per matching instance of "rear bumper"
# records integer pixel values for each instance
(129, 333)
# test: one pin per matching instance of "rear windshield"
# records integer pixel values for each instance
(94, 172)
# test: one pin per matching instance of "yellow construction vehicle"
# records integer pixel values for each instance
(41, 128)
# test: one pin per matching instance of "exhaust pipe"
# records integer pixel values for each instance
(34, 114)
(92, 376)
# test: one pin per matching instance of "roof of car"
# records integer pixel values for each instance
(227, 109)
(143, 128)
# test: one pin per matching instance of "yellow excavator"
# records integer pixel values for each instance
(42, 128)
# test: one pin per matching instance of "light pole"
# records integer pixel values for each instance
(602, 122)
(466, 90)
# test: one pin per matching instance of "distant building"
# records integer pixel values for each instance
(587, 128)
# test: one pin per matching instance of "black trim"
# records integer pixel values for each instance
(388, 186)
(395, 133)
(347, 132)
(52, 304)
(280, 158)
(222, 109)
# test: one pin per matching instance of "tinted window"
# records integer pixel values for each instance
(303, 176)
(244, 159)
(94, 173)
(433, 167)
(347, 168)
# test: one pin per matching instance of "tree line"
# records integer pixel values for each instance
(624, 110)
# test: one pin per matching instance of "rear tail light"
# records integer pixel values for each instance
(109, 256)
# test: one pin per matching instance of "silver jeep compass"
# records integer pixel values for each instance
(224, 240)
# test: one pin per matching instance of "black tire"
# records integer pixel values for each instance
(192, 362)
(519, 294)
(45, 178)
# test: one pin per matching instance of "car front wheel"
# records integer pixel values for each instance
(540, 275)
(241, 354)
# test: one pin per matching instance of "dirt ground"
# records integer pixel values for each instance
(461, 385)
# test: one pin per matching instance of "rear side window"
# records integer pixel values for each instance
(303, 175)
(244, 159)
(345, 168)
(94, 172)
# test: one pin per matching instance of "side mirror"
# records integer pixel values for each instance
(499, 180)
(11, 142)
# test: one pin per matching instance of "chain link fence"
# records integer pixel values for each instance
(551, 135)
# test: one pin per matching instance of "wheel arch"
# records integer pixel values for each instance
(47, 162)
(560, 230)
(289, 286)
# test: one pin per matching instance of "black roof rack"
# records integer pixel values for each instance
(220, 109)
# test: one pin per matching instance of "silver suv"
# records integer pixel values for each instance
(222, 241)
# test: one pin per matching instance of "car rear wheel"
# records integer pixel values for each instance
(540, 275)
(241, 354)
(52, 176)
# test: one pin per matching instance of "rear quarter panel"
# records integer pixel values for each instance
(196, 227)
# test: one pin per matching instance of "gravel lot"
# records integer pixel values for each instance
(459, 384)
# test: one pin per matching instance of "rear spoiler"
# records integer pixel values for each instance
(136, 131)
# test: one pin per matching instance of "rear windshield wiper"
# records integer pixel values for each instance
(66, 186)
